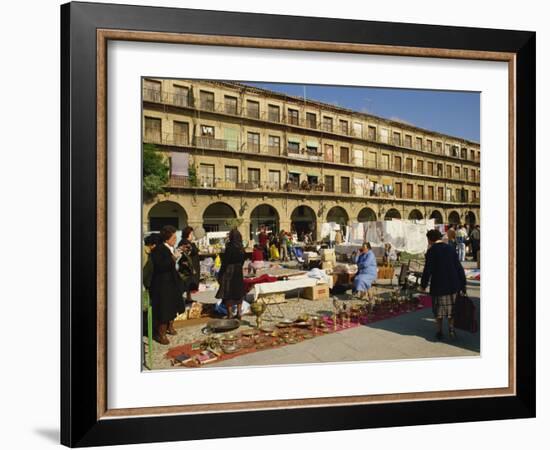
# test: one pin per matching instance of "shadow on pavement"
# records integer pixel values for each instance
(422, 324)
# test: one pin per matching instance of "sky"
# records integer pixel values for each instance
(449, 112)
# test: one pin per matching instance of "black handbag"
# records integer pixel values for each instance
(465, 317)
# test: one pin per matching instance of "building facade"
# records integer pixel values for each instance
(262, 157)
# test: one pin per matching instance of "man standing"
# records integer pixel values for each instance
(445, 274)
(461, 236)
(475, 238)
(283, 242)
(451, 237)
(262, 241)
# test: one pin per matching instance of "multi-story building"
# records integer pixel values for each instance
(238, 151)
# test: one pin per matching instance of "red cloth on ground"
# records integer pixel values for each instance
(250, 282)
(425, 301)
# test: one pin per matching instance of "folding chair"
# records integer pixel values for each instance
(403, 279)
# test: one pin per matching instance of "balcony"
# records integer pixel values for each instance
(303, 154)
(327, 126)
(273, 150)
(152, 95)
(252, 147)
(251, 113)
(311, 123)
(174, 139)
(300, 188)
(208, 142)
(207, 105)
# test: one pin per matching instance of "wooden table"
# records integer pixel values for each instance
(342, 278)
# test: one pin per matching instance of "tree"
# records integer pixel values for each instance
(155, 170)
(234, 222)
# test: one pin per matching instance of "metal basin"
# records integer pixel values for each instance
(221, 325)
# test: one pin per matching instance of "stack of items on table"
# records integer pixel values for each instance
(312, 259)
(328, 260)
(343, 273)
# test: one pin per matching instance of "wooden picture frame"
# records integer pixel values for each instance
(85, 417)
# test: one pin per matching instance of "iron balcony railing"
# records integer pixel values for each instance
(184, 140)
(303, 187)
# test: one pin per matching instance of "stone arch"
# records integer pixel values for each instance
(436, 215)
(366, 215)
(304, 220)
(339, 215)
(166, 212)
(392, 214)
(454, 218)
(215, 216)
(415, 214)
(470, 218)
(264, 214)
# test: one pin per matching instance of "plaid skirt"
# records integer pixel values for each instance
(443, 305)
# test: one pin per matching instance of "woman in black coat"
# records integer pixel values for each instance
(192, 273)
(445, 274)
(165, 290)
(230, 276)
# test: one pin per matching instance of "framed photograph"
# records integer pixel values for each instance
(273, 224)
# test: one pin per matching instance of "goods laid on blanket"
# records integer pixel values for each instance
(231, 344)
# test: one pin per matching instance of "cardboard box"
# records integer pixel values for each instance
(318, 292)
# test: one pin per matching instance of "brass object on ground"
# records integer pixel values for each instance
(231, 348)
(246, 342)
(302, 318)
(221, 325)
(258, 308)
(249, 333)
(285, 323)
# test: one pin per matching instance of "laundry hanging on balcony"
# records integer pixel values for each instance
(359, 186)
(179, 166)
